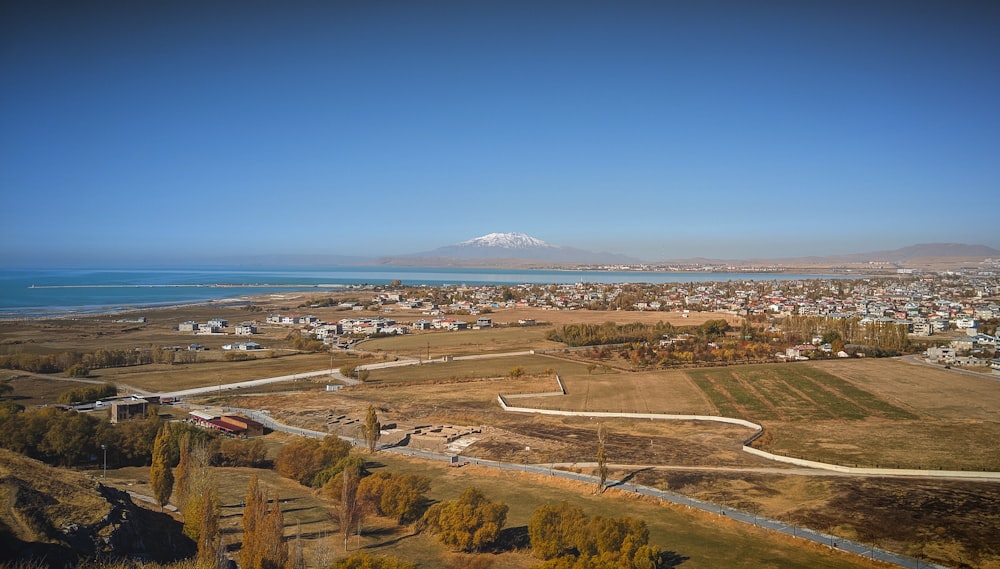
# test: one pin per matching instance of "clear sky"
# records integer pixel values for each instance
(163, 130)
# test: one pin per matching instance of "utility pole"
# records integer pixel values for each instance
(105, 449)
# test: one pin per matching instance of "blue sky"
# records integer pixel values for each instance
(155, 130)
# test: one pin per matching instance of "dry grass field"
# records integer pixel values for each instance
(163, 377)
(692, 539)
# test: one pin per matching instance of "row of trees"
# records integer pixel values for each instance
(575, 335)
(67, 438)
(87, 394)
(881, 335)
(103, 358)
(728, 351)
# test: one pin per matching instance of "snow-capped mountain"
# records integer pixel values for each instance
(505, 241)
(508, 247)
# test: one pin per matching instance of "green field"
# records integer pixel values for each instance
(789, 392)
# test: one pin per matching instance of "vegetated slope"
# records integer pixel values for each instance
(61, 516)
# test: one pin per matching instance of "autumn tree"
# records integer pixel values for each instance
(602, 459)
(182, 478)
(211, 552)
(399, 496)
(552, 529)
(469, 523)
(372, 429)
(304, 459)
(161, 477)
(201, 509)
(565, 537)
(349, 507)
(263, 546)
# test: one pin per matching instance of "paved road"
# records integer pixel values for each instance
(252, 383)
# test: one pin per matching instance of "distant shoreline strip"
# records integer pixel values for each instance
(209, 285)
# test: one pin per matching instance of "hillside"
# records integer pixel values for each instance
(62, 516)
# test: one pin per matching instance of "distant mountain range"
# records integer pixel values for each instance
(521, 250)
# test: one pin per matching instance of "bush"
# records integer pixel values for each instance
(77, 370)
(303, 459)
(470, 523)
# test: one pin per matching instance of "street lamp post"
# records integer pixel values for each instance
(105, 449)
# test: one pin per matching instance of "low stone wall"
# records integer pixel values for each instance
(873, 471)
(758, 430)
(653, 416)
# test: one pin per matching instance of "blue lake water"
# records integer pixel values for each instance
(42, 292)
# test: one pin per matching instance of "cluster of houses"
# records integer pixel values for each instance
(217, 326)
(968, 351)
(330, 332)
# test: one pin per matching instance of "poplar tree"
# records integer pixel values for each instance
(602, 459)
(161, 478)
(372, 429)
(203, 499)
(182, 480)
(211, 553)
(264, 545)
(349, 508)
(254, 511)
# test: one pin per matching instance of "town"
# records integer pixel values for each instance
(959, 311)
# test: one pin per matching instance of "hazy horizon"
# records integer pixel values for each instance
(190, 130)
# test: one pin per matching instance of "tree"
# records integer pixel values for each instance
(602, 459)
(565, 537)
(182, 480)
(263, 546)
(552, 529)
(469, 523)
(399, 496)
(372, 429)
(304, 459)
(161, 478)
(201, 509)
(211, 553)
(516, 372)
(348, 507)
